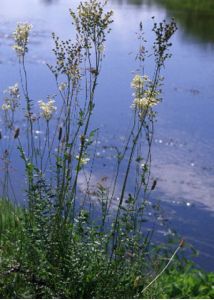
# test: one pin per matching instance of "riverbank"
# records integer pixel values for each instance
(191, 5)
(33, 265)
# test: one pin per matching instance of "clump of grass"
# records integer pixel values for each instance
(188, 282)
(10, 217)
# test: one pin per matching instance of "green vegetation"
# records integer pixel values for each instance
(189, 283)
(191, 5)
(68, 243)
(195, 17)
(29, 269)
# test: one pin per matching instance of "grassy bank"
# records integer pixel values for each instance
(196, 17)
(190, 5)
(31, 266)
(185, 5)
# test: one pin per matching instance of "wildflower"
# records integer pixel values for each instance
(151, 93)
(101, 49)
(73, 72)
(84, 160)
(21, 38)
(47, 108)
(142, 166)
(142, 104)
(11, 102)
(145, 95)
(19, 49)
(139, 81)
(62, 86)
(13, 90)
(6, 106)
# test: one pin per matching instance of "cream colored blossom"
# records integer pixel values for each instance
(144, 103)
(19, 49)
(84, 160)
(6, 106)
(139, 81)
(151, 93)
(13, 90)
(101, 49)
(11, 101)
(62, 86)
(145, 97)
(47, 108)
(21, 36)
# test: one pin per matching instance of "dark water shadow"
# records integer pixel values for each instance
(49, 2)
(197, 21)
(194, 224)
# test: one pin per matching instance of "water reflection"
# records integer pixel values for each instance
(49, 1)
(197, 21)
(186, 220)
(197, 25)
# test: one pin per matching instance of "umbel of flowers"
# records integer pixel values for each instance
(47, 108)
(11, 101)
(21, 38)
(145, 96)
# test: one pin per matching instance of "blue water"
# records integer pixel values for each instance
(184, 140)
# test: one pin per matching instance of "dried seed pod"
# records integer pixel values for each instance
(181, 244)
(82, 139)
(16, 134)
(6, 153)
(154, 185)
(68, 157)
(94, 71)
(60, 133)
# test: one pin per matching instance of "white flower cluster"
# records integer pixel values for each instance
(47, 108)
(144, 96)
(62, 86)
(139, 81)
(21, 38)
(101, 49)
(11, 102)
(84, 160)
(144, 103)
